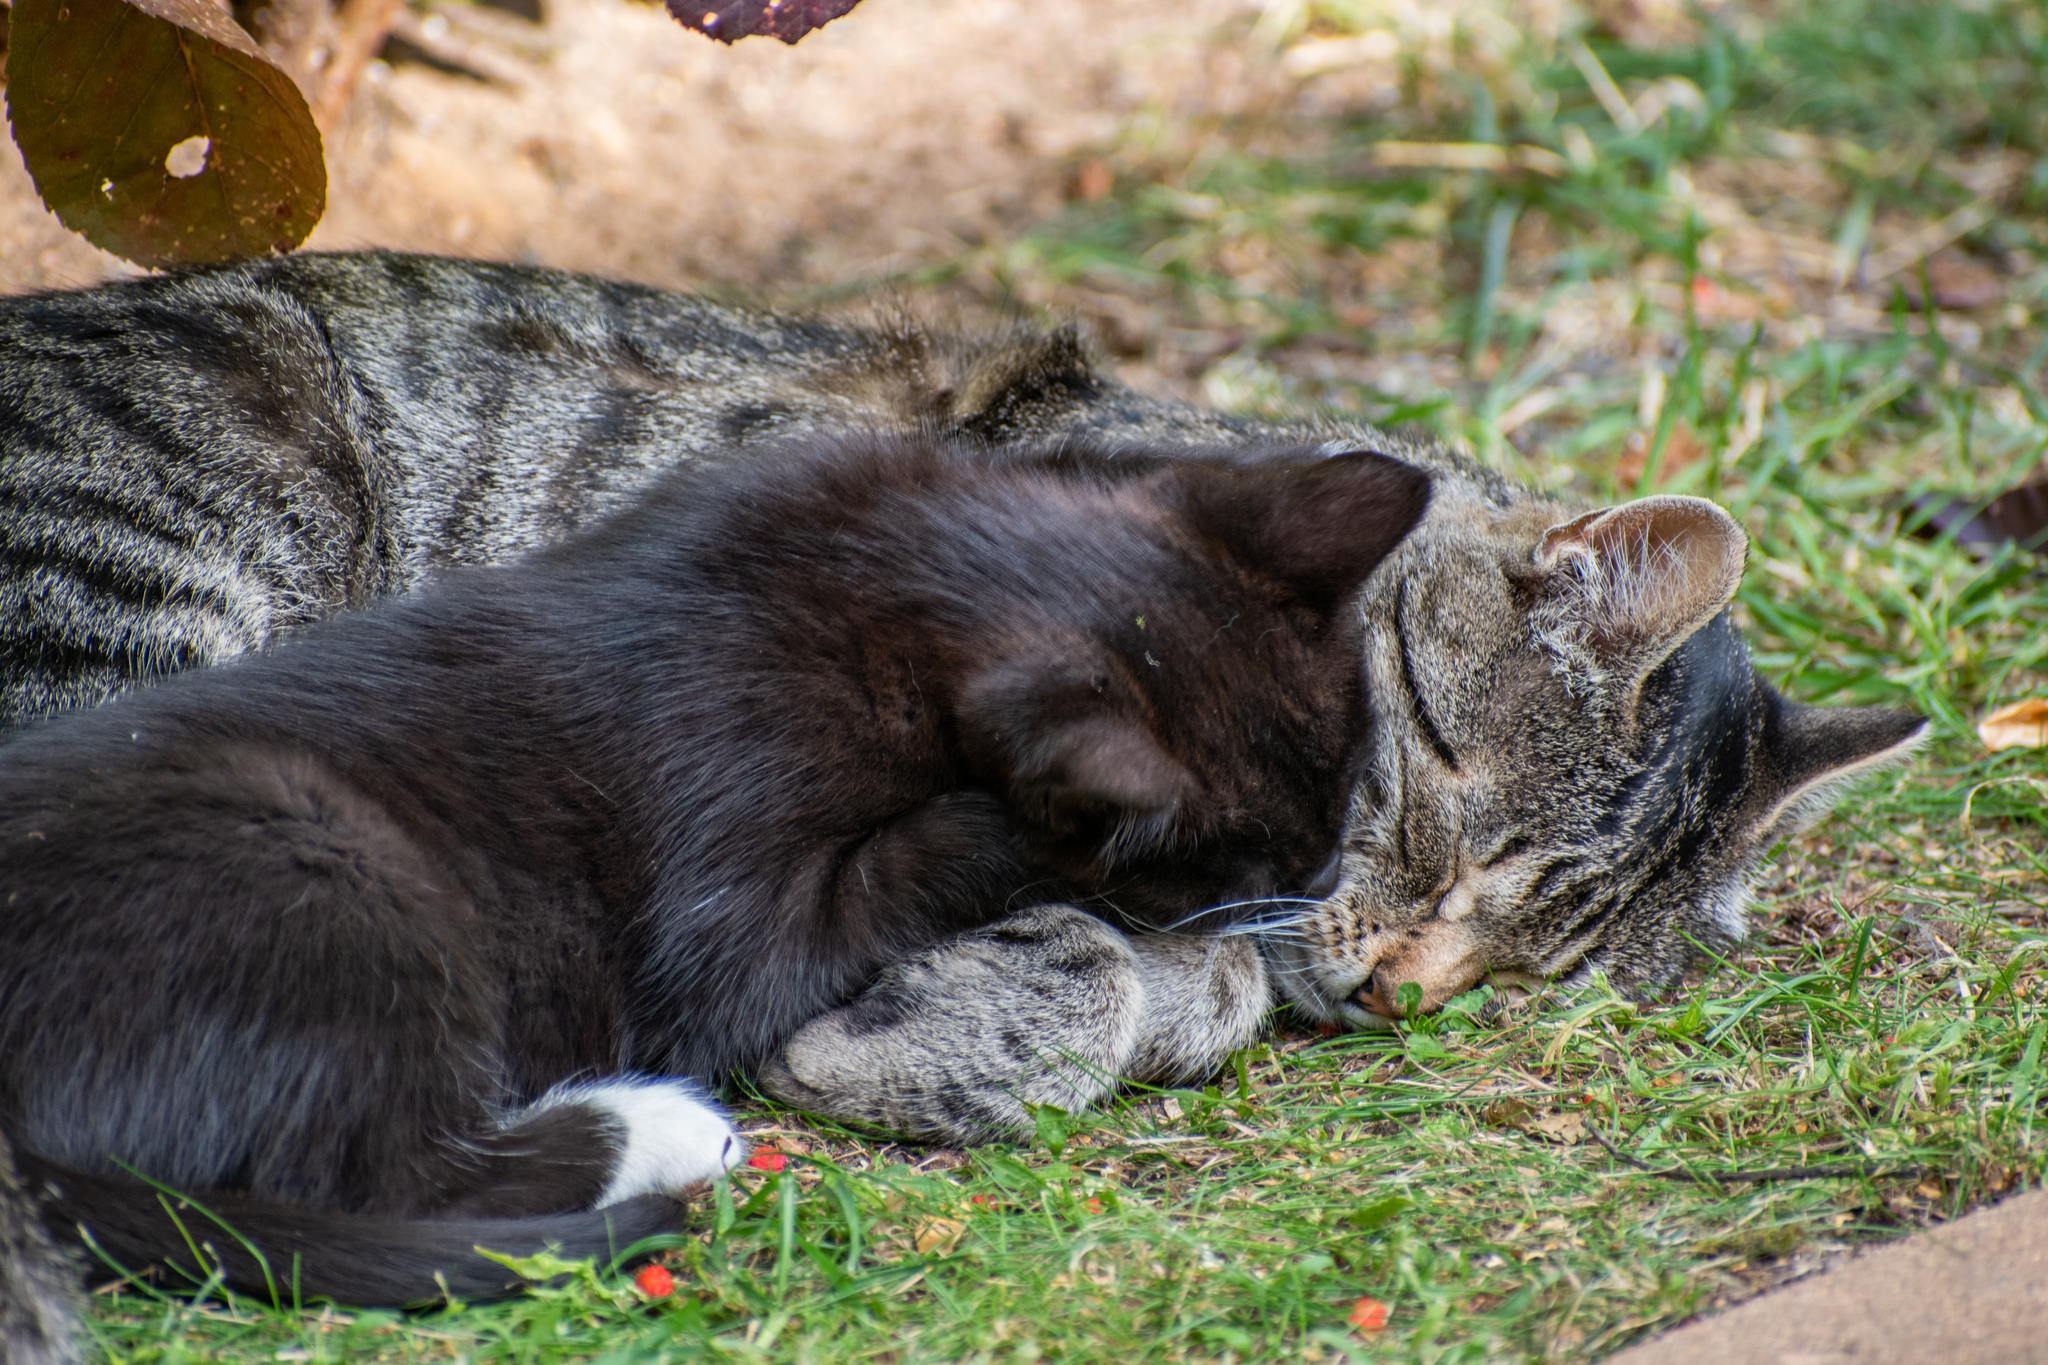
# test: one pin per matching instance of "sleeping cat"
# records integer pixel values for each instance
(1574, 763)
(407, 935)
(1573, 768)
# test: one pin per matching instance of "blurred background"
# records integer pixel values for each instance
(1522, 204)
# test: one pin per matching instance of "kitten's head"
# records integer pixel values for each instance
(1174, 725)
(1575, 766)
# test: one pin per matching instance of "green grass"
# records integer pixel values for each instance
(1700, 301)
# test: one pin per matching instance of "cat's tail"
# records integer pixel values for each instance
(297, 1254)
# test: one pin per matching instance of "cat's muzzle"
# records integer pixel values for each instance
(1336, 993)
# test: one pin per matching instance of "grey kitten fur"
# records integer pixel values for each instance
(1575, 764)
(39, 1298)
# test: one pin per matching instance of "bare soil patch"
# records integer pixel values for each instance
(608, 139)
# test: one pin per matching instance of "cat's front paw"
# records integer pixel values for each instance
(957, 1042)
(670, 1136)
(779, 1083)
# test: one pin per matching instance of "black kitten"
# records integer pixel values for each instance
(421, 919)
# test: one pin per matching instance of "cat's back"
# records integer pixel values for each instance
(180, 473)
(191, 464)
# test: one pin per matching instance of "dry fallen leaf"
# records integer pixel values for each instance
(1508, 1113)
(2022, 725)
(1682, 448)
(1566, 1128)
(936, 1236)
(2018, 515)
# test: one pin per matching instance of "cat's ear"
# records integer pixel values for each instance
(1627, 585)
(1319, 527)
(1102, 763)
(1816, 751)
(1069, 760)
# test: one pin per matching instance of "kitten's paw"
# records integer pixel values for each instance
(671, 1136)
(1204, 999)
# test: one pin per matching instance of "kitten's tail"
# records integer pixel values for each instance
(314, 1253)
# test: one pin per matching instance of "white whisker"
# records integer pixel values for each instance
(1245, 926)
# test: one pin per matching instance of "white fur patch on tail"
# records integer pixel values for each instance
(674, 1136)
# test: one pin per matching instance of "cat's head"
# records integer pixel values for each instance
(1177, 731)
(1575, 765)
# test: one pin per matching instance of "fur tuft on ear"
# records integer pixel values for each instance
(1819, 750)
(1320, 527)
(1070, 764)
(1102, 765)
(1627, 585)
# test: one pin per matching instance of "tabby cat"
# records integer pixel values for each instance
(429, 912)
(1572, 767)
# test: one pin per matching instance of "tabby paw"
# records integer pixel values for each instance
(779, 1083)
(671, 1136)
(956, 1043)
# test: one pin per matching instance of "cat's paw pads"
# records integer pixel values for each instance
(671, 1135)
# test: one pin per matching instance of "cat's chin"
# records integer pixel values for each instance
(1359, 1017)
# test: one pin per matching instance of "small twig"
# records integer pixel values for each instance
(360, 29)
(445, 45)
(1919, 245)
(1754, 1177)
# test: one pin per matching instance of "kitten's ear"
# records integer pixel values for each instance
(1319, 527)
(1629, 584)
(1068, 760)
(1103, 762)
(1819, 750)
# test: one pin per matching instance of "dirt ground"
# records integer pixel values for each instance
(609, 139)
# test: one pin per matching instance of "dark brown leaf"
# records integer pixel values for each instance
(1957, 282)
(159, 131)
(731, 20)
(2019, 515)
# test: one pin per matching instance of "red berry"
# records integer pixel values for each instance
(1094, 1206)
(1368, 1316)
(767, 1159)
(655, 1281)
(980, 1199)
